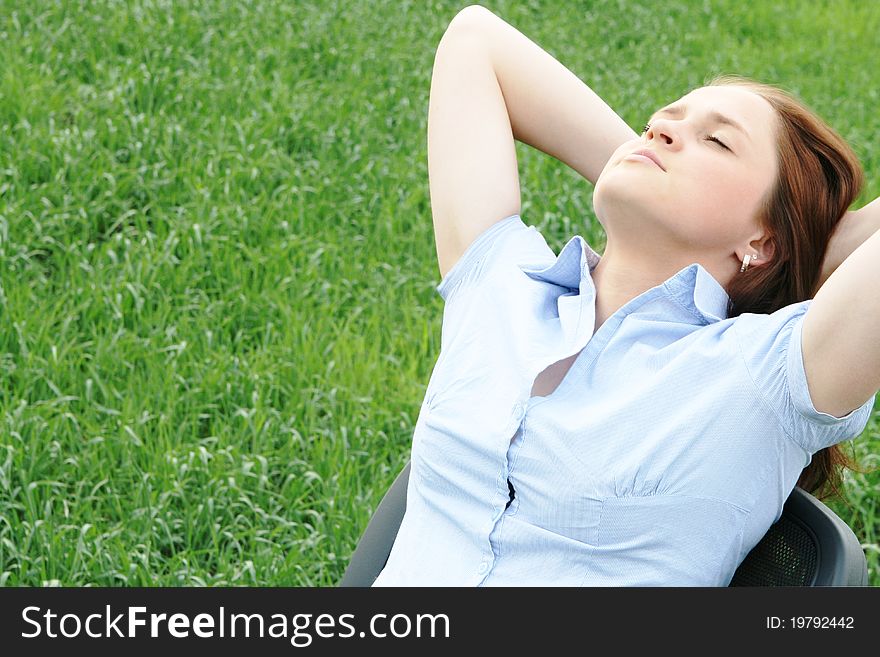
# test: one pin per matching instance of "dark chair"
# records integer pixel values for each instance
(808, 546)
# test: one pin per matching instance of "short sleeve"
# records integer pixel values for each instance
(772, 350)
(505, 242)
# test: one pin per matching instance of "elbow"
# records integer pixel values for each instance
(469, 25)
(468, 18)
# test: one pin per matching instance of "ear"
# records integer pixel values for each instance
(764, 248)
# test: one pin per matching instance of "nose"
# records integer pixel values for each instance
(663, 130)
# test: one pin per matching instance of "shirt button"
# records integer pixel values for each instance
(483, 567)
(519, 411)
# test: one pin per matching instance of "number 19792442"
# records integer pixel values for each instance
(810, 622)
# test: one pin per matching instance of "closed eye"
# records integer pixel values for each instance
(715, 139)
(720, 143)
(709, 138)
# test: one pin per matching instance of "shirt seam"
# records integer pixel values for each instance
(598, 537)
(470, 262)
(760, 392)
(738, 541)
(801, 397)
(676, 496)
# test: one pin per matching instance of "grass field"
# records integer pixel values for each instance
(217, 266)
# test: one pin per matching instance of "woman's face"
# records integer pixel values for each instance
(706, 200)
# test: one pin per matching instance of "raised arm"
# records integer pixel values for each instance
(491, 85)
(550, 108)
(841, 332)
(854, 228)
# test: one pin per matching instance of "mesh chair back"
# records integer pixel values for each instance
(808, 546)
(786, 556)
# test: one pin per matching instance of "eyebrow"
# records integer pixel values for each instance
(714, 115)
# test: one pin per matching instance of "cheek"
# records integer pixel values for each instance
(739, 194)
(708, 205)
(714, 185)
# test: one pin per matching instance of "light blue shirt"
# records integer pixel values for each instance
(661, 459)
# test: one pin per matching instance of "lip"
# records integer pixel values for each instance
(651, 155)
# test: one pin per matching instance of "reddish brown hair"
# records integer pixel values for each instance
(818, 178)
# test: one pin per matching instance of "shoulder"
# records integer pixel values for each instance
(499, 247)
(773, 349)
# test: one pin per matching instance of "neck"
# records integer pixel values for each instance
(621, 276)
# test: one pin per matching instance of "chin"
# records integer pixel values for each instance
(620, 200)
(613, 190)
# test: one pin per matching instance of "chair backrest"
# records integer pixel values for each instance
(808, 546)
(371, 553)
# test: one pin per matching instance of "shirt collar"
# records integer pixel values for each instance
(693, 285)
(574, 263)
(700, 292)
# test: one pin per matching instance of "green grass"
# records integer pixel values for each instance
(217, 304)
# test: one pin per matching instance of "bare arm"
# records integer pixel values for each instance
(855, 227)
(472, 168)
(841, 347)
(549, 107)
(490, 86)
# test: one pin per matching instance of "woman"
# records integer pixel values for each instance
(637, 418)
